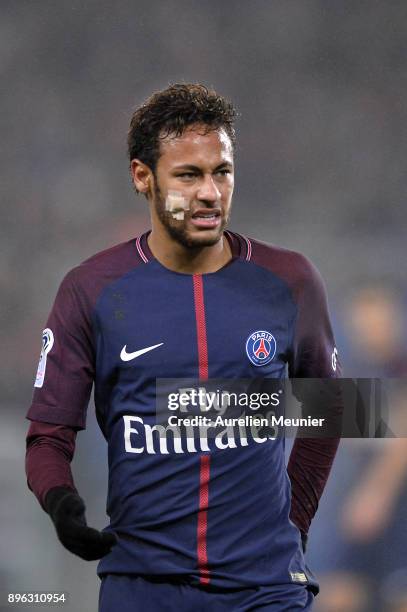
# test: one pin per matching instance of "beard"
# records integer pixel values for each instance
(178, 230)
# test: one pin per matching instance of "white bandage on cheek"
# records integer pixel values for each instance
(176, 204)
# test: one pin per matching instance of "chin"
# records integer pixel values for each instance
(195, 239)
(203, 238)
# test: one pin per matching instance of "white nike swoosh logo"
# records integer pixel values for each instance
(125, 356)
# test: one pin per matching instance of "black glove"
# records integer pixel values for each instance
(304, 540)
(67, 511)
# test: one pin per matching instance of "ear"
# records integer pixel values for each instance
(142, 176)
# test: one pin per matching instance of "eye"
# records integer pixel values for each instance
(223, 172)
(186, 175)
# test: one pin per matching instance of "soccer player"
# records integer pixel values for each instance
(209, 524)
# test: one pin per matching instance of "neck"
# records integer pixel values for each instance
(188, 260)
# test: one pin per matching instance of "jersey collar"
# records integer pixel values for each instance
(240, 246)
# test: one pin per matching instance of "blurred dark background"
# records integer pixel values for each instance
(321, 90)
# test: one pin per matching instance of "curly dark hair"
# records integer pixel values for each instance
(172, 111)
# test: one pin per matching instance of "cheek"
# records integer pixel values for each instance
(230, 182)
(228, 191)
(226, 204)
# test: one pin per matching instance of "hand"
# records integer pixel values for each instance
(67, 511)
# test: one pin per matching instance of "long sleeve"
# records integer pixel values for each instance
(50, 450)
(308, 468)
(314, 356)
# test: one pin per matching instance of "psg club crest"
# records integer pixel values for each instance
(261, 347)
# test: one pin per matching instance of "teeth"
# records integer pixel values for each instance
(205, 216)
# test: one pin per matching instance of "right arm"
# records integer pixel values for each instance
(50, 449)
(61, 395)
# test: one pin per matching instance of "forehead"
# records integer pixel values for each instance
(196, 147)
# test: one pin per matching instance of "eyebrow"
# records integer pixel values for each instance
(198, 169)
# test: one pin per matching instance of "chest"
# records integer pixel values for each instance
(166, 326)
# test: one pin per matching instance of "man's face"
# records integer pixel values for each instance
(199, 166)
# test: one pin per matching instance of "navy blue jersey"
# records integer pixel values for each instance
(213, 513)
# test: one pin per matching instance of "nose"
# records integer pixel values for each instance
(208, 191)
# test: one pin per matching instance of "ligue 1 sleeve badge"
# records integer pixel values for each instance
(47, 344)
(261, 347)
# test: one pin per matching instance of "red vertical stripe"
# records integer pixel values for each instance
(203, 519)
(204, 473)
(201, 326)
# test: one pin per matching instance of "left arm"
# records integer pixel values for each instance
(312, 356)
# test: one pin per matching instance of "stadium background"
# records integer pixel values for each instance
(321, 90)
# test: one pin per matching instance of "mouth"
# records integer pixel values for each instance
(206, 218)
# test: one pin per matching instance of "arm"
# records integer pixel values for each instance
(58, 410)
(308, 468)
(312, 356)
(50, 450)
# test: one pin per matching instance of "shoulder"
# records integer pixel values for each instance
(292, 267)
(91, 276)
(117, 259)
